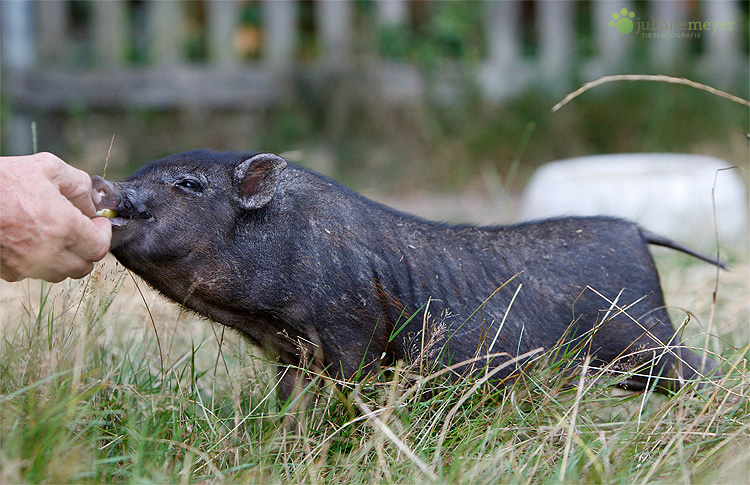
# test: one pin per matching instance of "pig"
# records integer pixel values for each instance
(324, 279)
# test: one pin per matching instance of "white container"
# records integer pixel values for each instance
(668, 193)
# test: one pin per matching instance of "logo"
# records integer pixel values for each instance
(654, 28)
(623, 20)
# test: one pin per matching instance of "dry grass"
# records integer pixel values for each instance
(103, 380)
(84, 379)
(651, 78)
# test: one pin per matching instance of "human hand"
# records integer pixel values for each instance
(46, 225)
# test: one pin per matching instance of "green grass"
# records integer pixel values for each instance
(88, 395)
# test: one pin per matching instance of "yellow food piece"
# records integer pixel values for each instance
(106, 213)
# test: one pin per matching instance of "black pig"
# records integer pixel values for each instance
(321, 277)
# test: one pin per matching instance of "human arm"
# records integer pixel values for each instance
(46, 225)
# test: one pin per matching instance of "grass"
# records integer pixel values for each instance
(367, 143)
(101, 380)
(87, 395)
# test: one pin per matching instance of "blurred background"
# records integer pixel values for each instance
(399, 99)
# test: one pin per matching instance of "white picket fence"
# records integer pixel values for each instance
(40, 42)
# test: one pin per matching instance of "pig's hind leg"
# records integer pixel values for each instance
(655, 359)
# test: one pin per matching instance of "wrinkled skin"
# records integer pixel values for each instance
(47, 224)
(323, 278)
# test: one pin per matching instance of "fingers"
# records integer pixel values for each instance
(86, 239)
(73, 184)
(78, 192)
(8, 273)
(91, 240)
(70, 266)
(75, 268)
(46, 229)
(73, 256)
(90, 244)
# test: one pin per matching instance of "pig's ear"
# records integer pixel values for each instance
(256, 179)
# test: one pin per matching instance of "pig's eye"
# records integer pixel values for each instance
(190, 184)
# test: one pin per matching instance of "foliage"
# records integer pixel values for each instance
(88, 394)
(450, 33)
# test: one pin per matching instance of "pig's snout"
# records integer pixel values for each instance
(118, 203)
(106, 196)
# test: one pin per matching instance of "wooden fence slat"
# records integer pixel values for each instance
(555, 20)
(334, 20)
(185, 86)
(18, 55)
(392, 12)
(279, 32)
(110, 21)
(725, 43)
(164, 31)
(609, 43)
(501, 25)
(223, 19)
(18, 39)
(52, 31)
(666, 51)
(502, 72)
